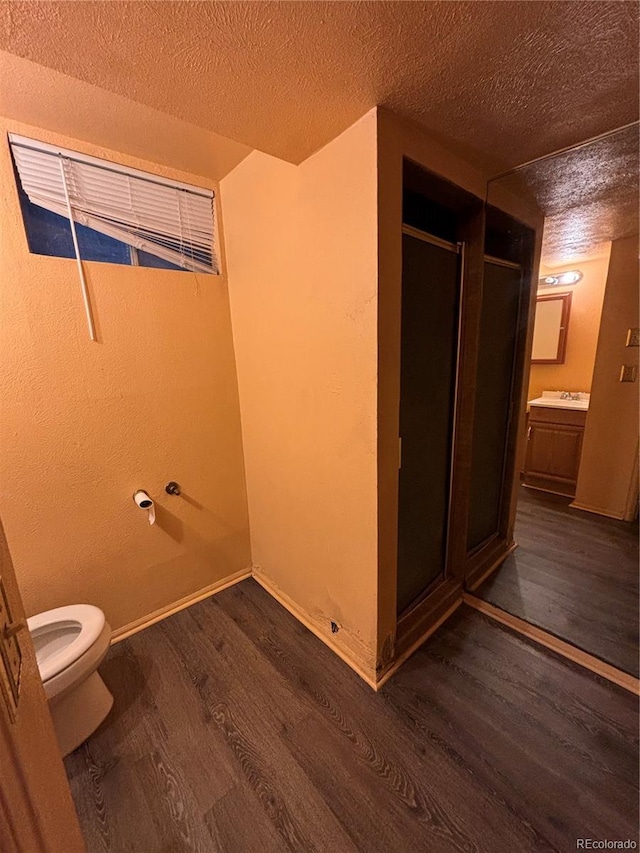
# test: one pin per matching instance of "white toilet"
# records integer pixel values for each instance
(70, 644)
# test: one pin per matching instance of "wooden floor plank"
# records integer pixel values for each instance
(254, 832)
(165, 782)
(235, 729)
(186, 731)
(574, 574)
(251, 715)
(357, 714)
(113, 812)
(362, 722)
(539, 755)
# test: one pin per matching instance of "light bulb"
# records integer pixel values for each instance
(571, 277)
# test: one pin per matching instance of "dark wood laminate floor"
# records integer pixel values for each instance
(574, 574)
(235, 729)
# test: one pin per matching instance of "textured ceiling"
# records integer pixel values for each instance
(48, 100)
(589, 195)
(499, 82)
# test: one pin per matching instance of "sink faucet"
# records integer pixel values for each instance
(567, 395)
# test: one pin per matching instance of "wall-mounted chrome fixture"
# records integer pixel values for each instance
(563, 279)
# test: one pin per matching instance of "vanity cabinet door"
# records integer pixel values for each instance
(553, 456)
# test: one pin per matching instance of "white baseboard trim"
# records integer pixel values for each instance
(305, 619)
(176, 606)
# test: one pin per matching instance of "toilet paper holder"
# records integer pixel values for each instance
(142, 499)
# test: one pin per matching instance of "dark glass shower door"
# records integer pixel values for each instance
(499, 330)
(431, 271)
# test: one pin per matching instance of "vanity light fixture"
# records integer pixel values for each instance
(563, 279)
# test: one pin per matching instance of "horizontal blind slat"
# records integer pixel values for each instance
(171, 222)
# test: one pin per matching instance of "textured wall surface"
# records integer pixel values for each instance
(503, 82)
(608, 478)
(302, 256)
(83, 425)
(44, 98)
(584, 323)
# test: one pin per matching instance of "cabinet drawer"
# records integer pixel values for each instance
(570, 417)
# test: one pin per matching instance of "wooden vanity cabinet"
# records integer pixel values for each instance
(554, 446)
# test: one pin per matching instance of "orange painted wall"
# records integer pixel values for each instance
(584, 323)
(82, 425)
(302, 258)
(608, 478)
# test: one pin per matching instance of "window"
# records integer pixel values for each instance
(121, 216)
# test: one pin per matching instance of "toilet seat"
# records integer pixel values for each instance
(63, 635)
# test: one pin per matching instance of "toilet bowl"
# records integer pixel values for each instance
(70, 644)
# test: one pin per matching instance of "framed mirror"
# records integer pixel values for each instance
(550, 328)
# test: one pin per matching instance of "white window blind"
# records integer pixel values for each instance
(171, 220)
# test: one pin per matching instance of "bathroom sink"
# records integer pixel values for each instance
(554, 400)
